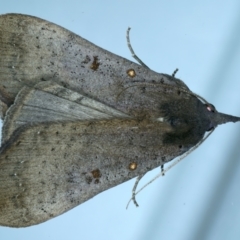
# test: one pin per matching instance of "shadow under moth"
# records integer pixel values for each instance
(79, 120)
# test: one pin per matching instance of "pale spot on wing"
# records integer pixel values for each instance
(160, 119)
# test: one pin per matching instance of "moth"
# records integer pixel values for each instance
(79, 120)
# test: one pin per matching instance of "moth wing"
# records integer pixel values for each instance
(50, 102)
(34, 50)
(49, 168)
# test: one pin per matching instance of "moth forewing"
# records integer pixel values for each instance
(48, 169)
(34, 50)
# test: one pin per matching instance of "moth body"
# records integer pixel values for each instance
(79, 120)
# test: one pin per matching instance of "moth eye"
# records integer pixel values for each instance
(210, 108)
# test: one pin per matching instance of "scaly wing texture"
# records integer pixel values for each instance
(34, 50)
(47, 169)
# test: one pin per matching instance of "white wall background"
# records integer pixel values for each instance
(200, 198)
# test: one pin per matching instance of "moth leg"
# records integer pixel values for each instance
(162, 170)
(134, 189)
(132, 52)
(174, 73)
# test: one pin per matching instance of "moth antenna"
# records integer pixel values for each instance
(162, 84)
(187, 91)
(174, 73)
(162, 173)
(162, 169)
(144, 65)
(132, 52)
